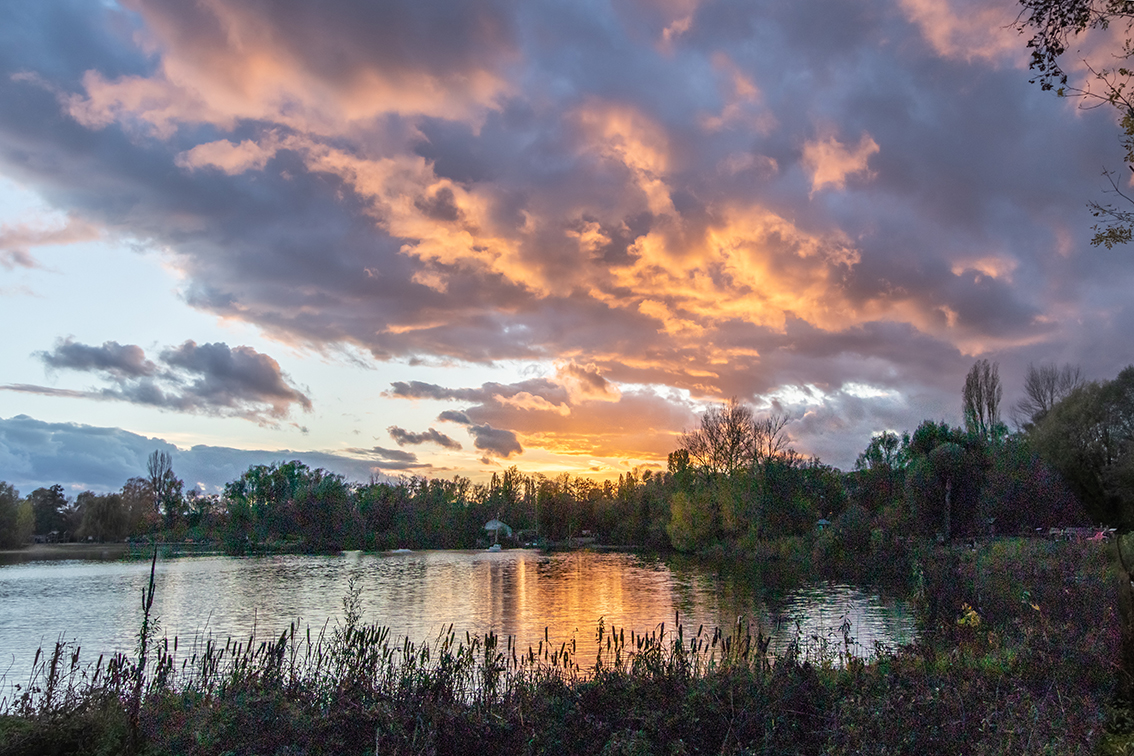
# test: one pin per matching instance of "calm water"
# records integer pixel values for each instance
(417, 595)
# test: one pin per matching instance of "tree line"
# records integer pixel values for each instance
(734, 482)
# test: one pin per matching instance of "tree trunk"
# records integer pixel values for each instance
(948, 506)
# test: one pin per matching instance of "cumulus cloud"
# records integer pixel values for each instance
(830, 161)
(635, 192)
(121, 362)
(403, 437)
(79, 457)
(496, 441)
(227, 157)
(967, 29)
(455, 416)
(197, 378)
(585, 382)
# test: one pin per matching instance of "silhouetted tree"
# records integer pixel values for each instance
(49, 504)
(165, 487)
(980, 400)
(1044, 387)
(725, 440)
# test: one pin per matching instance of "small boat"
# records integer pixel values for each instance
(402, 551)
(495, 547)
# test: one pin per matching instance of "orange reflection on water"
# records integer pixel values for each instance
(418, 595)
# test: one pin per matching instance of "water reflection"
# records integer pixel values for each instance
(521, 593)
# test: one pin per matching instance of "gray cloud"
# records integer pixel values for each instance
(579, 186)
(495, 441)
(121, 362)
(27, 388)
(230, 377)
(209, 378)
(422, 390)
(34, 453)
(404, 437)
(391, 459)
(455, 416)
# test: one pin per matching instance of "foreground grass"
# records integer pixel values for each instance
(1031, 669)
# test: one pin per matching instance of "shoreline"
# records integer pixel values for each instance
(53, 551)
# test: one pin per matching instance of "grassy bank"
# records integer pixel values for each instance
(1017, 655)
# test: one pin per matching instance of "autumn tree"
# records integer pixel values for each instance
(138, 504)
(693, 519)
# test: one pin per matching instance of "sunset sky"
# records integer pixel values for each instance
(435, 238)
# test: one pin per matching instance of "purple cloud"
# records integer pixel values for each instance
(699, 200)
(403, 437)
(196, 378)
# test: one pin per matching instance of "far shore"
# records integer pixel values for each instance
(54, 551)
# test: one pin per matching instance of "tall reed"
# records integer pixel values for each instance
(349, 687)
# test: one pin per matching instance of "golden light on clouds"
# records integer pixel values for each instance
(569, 228)
(228, 157)
(967, 29)
(993, 266)
(831, 161)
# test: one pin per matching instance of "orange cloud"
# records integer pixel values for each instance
(742, 100)
(17, 239)
(831, 162)
(967, 29)
(993, 266)
(751, 266)
(636, 425)
(228, 157)
(586, 383)
(623, 134)
(528, 401)
(222, 63)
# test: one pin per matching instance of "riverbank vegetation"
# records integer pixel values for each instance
(1034, 671)
(1026, 643)
(733, 485)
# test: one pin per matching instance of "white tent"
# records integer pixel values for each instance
(497, 528)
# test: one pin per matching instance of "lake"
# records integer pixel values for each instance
(418, 595)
